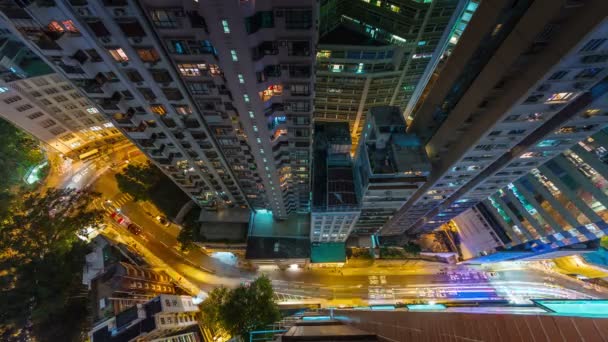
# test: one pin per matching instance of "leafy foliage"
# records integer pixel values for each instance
(147, 183)
(43, 259)
(18, 153)
(412, 248)
(137, 180)
(243, 309)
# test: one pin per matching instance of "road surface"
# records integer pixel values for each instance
(420, 280)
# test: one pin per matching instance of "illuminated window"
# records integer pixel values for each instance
(119, 55)
(92, 110)
(560, 97)
(148, 55)
(336, 67)
(69, 25)
(191, 70)
(225, 26)
(395, 9)
(158, 109)
(235, 58)
(55, 27)
(214, 70)
(241, 78)
(324, 54)
(3, 89)
(272, 90)
(360, 68)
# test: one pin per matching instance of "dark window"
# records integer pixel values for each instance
(558, 75)
(301, 48)
(164, 18)
(133, 75)
(161, 76)
(173, 94)
(147, 93)
(258, 21)
(95, 57)
(297, 19)
(589, 73)
(98, 28)
(593, 44)
(132, 29)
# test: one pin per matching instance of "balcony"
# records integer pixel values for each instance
(123, 118)
(110, 103)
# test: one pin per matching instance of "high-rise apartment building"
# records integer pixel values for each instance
(44, 103)
(217, 93)
(374, 53)
(390, 166)
(526, 81)
(558, 208)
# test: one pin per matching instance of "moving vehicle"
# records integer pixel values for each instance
(162, 220)
(89, 154)
(134, 228)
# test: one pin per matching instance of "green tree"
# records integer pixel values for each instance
(137, 180)
(412, 248)
(43, 259)
(243, 309)
(210, 308)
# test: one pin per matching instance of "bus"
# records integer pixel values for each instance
(88, 155)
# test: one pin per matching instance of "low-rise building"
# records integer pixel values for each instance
(390, 166)
(335, 207)
(123, 285)
(159, 319)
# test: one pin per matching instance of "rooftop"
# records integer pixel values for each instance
(333, 182)
(277, 248)
(264, 225)
(328, 252)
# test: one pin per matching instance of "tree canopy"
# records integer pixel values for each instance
(42, 258)
(241, 310)
(412, 248)
(18, 153)
(137, 180)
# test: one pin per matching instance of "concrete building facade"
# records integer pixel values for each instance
(335, 206)
(505, 103)
(229, 122)
(390, 166)
(375, 53)
(45, 104)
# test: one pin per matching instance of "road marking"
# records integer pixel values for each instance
(164, 244)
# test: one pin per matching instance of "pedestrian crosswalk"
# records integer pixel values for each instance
(124, 198)
(117, 203)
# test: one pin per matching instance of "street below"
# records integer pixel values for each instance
(414, 281)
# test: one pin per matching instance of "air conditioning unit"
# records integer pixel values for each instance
(106, 39)
(137, 40)
(119, 12)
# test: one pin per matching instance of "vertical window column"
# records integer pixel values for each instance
(571, 196)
